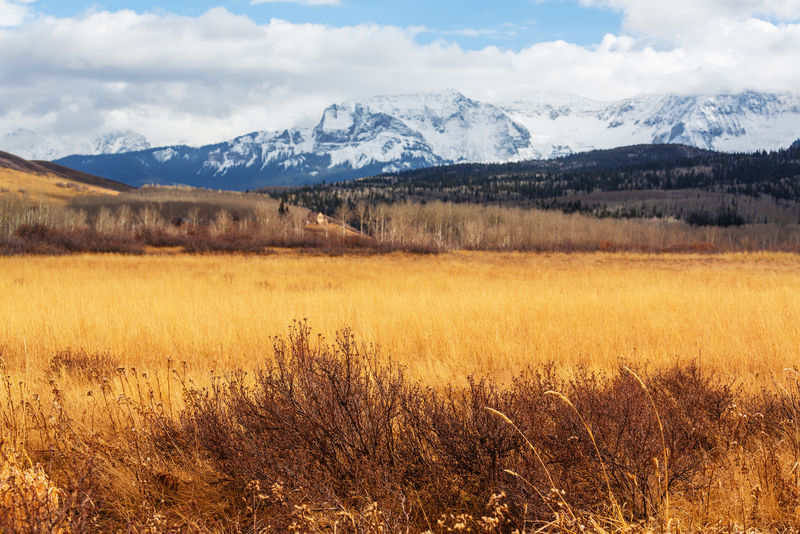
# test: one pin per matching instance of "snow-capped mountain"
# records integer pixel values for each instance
(394, 133)
(458, 128)
(383, 134)
(743, 122)
(31, 145)
(116, 143)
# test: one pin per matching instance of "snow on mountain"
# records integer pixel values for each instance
(357, 135)
(384, 133)
(395, 133)
(347, 136)
(458, 128)
(32, 145)
(727, 122)
(115, 143)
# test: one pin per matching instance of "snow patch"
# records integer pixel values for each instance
(336, 119)
(162, 156)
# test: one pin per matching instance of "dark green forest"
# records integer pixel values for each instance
(698, 186)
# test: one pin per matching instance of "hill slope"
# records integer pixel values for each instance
(43, 180)
(699, 186)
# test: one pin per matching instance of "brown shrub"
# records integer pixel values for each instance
(31, 503)
(340, 428)
(92, 367)
(41, 239)
(332, 436)
(323, 420)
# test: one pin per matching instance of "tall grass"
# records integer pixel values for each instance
(443, 316)
(331, 436)
(145, 394)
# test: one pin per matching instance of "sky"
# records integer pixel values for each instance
(206, 70)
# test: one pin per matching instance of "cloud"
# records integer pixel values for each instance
(683, 20)
(207, 78)
(461, 32)
(472, 32)
(304, 2)
(14, 12)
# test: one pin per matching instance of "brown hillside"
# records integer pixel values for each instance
(88, 179)
(16, 163)
(48, 182)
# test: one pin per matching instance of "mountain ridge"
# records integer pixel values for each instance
(699, 186)
(386, 134)
(36, 167)
(34, 146)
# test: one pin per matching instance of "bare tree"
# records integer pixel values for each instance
(362, 208)
(343, 213)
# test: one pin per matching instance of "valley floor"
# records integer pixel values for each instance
(443, 316)
(122, 406)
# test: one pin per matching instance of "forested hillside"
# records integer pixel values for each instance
(699, 186)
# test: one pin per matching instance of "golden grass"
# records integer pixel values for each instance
(45, 187)
(443, 316)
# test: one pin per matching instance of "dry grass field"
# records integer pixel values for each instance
(103, 427)
(46, 187)
(443, 316)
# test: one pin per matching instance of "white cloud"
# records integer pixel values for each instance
(462, 32)
(472, 32)
(204, 79)
(13, 12)
(683, 20)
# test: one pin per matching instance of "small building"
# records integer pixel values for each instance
(316, 217)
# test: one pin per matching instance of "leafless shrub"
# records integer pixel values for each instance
(449, 226)
(333, 436)
(627, 436)
(41, 239)
(324, 420)
(88, 366)
(358, 431)
(471, 442)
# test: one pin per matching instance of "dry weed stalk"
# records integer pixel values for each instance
(327, 436)
(29, 501)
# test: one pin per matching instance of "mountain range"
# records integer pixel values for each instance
(390, 134)
(35, 146)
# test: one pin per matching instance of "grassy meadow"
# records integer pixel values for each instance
(442, 316)
(46, 188)
(123, 408)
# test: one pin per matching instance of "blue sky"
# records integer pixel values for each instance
(473, 24)
(201, 71)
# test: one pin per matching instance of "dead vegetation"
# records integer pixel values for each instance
(454, 226)
(334, 437)
(194, 221)
(213, 221)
